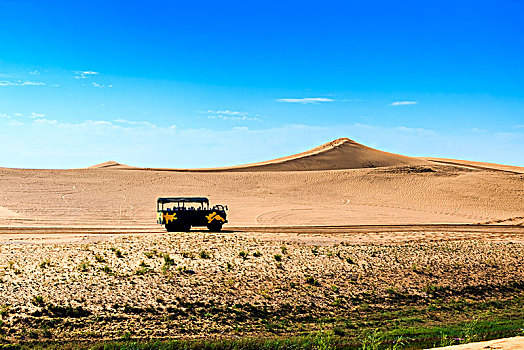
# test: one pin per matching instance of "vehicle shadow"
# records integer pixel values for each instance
(205, 230)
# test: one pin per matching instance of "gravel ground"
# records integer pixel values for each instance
(223, 284)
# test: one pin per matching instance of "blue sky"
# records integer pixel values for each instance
(207, 83)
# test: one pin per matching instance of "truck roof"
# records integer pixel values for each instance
(183, 199)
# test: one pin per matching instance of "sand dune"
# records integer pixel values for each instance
(477, 165)
(111, 164)
(342, 153)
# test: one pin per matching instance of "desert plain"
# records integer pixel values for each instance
(348, 243)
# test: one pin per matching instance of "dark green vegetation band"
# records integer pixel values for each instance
(367, 339)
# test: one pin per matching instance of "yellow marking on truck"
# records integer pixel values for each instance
(214, 216)
(169, 217)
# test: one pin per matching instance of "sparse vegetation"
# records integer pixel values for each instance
(45, 263)
(243, 255)
(84, 266)
(99, 258)
(372, 340)
(257, 254)
(204, 255)
(4, 311)
(143, 269)
(168, 261)
(151, 254)
(187, 255)
(38, 300)
(185, 270)
(313, 291)
(117, 252)
(277, 257)
(11, 266)
(312, 281)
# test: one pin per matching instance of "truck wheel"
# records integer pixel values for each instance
(214, 226)
(172, 228)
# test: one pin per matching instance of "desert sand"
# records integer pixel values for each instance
(356, 230)
(340, 183)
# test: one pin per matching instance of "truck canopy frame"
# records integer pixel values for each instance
(183, 199)
(164, 200)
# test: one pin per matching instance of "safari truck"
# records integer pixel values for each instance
(180, 213)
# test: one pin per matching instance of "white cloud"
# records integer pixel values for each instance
(399, 131)
(10, 116)
(87, 123)
(130, 122)
(34, 72)
(100, 86)
(33, 83)
(509, 135)
(403, 103)
(418, 131)
(363, 125)
(98, 125)
(306, 100)
(95, 123)
(15, 123)
(226, 117)
(46, 121)
(84, 74)
(37, 115)
(226, 112)
(143, 124)
(230, 115)
(20, 83)
(477, 130)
